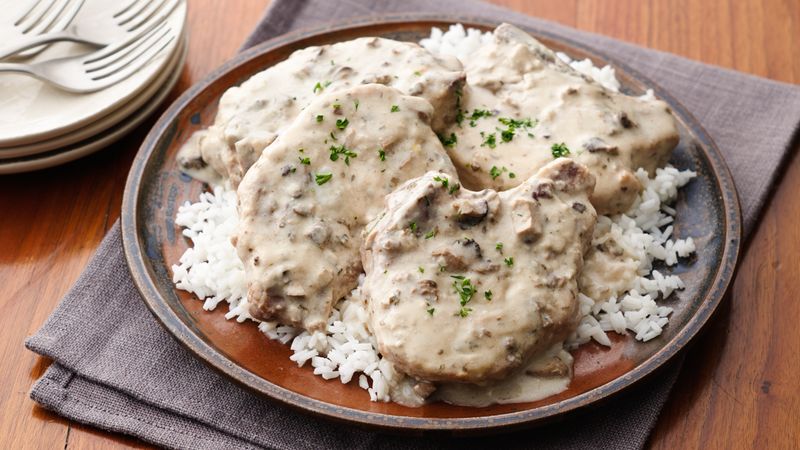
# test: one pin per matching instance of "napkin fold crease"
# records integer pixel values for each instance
(117, 369)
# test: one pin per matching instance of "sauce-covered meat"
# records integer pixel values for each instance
(250, 116)
(468, 286)
(304, 204)
(523, 107)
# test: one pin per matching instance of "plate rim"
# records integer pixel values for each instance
(135, 253)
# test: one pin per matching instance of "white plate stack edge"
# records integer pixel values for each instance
(41, 126)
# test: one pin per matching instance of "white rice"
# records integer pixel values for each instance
(212, 270)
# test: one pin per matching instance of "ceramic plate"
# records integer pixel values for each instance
(33, 111)
(708, 210)
(105, 138)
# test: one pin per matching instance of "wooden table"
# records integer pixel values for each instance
(741, 384)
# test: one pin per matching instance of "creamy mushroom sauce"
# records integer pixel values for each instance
(521, 101)
(252, 115)
(304, 204)
(469, 286)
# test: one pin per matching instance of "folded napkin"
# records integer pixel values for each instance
(116, 368)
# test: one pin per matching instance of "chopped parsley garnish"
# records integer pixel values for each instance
(381, 154)
(322, 178)
(318, 87)
(356, 103)
(342, 123)
(559, 150)
(320, 118)
(509, 261)
(395, 108)
(488, 295)
(477, 114)
(442, 268)
(448, 141)
(430, 234)
(465, 291)
(413, 227)
(421, 269)
(489, 140)
(417, 73)
(499, 247)
(333, 136)
(430, 310)
(305, 160)
(337, 150)
(495, 172)
(336, 106)
(512, 175)
(451, 188)
(512, 125)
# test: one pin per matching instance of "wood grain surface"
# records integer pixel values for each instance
(740, 387)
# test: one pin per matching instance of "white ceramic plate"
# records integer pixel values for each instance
(104, 139)
(101, 124)
(32, 111)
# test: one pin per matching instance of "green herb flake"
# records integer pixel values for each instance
(333, 136)
(489, 140)
(509, 261)
(442, 268)
(418, 73)
(318, 87)
(499, 247)
(381, 154)
(421, 269)
(356, 103)
(559, 150)
(507, 135)
(336, 106)
(445, 182)
(431, 234)
(494, 172)
(395, 108)
(453, 187)
(477, 114)
(448, 141)
(413, 227)
(341, 150)
(322, 178)
(512, 175)
(305, 160)
(320, 118)
(488, 295)
(465, 290)
(431, 310)
(342, 123)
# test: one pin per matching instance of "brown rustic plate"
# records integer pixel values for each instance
(708, 210)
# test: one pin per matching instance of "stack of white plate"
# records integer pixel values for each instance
(42, 126)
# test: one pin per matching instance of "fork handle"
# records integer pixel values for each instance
(18, 68)
(26, 42)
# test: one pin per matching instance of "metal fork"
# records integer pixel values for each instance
(102, 68)
(43, 16)
(100, 29)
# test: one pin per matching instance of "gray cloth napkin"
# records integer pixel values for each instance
(117, 369)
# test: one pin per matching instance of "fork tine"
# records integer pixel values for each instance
(113, 62)
(146, 57)
(160, 14)
(39, 15)
(27, 13)
(46, 24)
(126, 8)
(120, 46)
(124, 18)
(68, 16)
